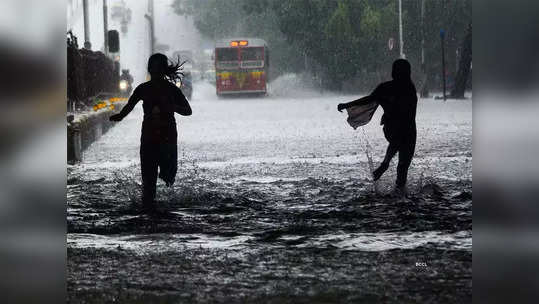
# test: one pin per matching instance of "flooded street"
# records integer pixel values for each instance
(274, 202)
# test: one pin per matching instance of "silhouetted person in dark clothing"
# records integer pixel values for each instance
(398, 98)
(158, 143)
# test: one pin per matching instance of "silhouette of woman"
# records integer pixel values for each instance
(158, 142)
(398, 98)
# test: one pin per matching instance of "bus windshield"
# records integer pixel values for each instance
(227, 55)
(252, 53)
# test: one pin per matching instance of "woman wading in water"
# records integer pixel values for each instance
(398, 98)
(158, 143)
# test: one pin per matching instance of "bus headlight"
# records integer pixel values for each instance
(123, 85)
(179, 84)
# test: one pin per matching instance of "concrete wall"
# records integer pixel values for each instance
(84, 129)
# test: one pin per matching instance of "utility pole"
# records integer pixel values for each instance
(87, 44)
(401, 43)
(150, 18)
(105, 28)
(424, 85)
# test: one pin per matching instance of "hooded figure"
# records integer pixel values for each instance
(398, 99)
(158, 142)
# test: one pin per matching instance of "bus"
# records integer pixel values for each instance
(241, 66)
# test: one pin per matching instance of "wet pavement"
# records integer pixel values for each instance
(274, 203)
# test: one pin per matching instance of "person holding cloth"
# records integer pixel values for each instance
(398, 99)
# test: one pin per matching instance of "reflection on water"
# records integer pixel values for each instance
(163, 242)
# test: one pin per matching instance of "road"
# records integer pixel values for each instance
(273, 202)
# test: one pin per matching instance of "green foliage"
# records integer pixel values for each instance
(377, 24)
(342, 42)
(336, 40)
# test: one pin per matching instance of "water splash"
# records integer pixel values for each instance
(423, 178)
(127, 184)
(368, 149)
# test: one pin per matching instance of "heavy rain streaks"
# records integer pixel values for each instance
(265, 197)
(274, 199)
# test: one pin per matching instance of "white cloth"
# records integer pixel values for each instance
(361, 115)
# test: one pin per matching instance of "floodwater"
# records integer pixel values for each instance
(274, 203)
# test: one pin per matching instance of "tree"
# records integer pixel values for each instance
(216, 19)
(338, 40)
(464, 66)
(452, 16)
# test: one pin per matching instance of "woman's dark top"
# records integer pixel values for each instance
(399, 101)
(160, 100)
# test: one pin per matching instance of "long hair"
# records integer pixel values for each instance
(160, 66)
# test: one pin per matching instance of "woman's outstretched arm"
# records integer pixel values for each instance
(181, 105)
(131, 103)
(357, 102)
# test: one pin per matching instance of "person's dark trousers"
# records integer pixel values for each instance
(154, 157)
(158, 150)
(402, 142)
(406, 153)
(149, 161)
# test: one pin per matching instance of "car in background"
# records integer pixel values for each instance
(126, 83)
(186, 85)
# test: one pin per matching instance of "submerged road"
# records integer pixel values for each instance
(274, 202)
